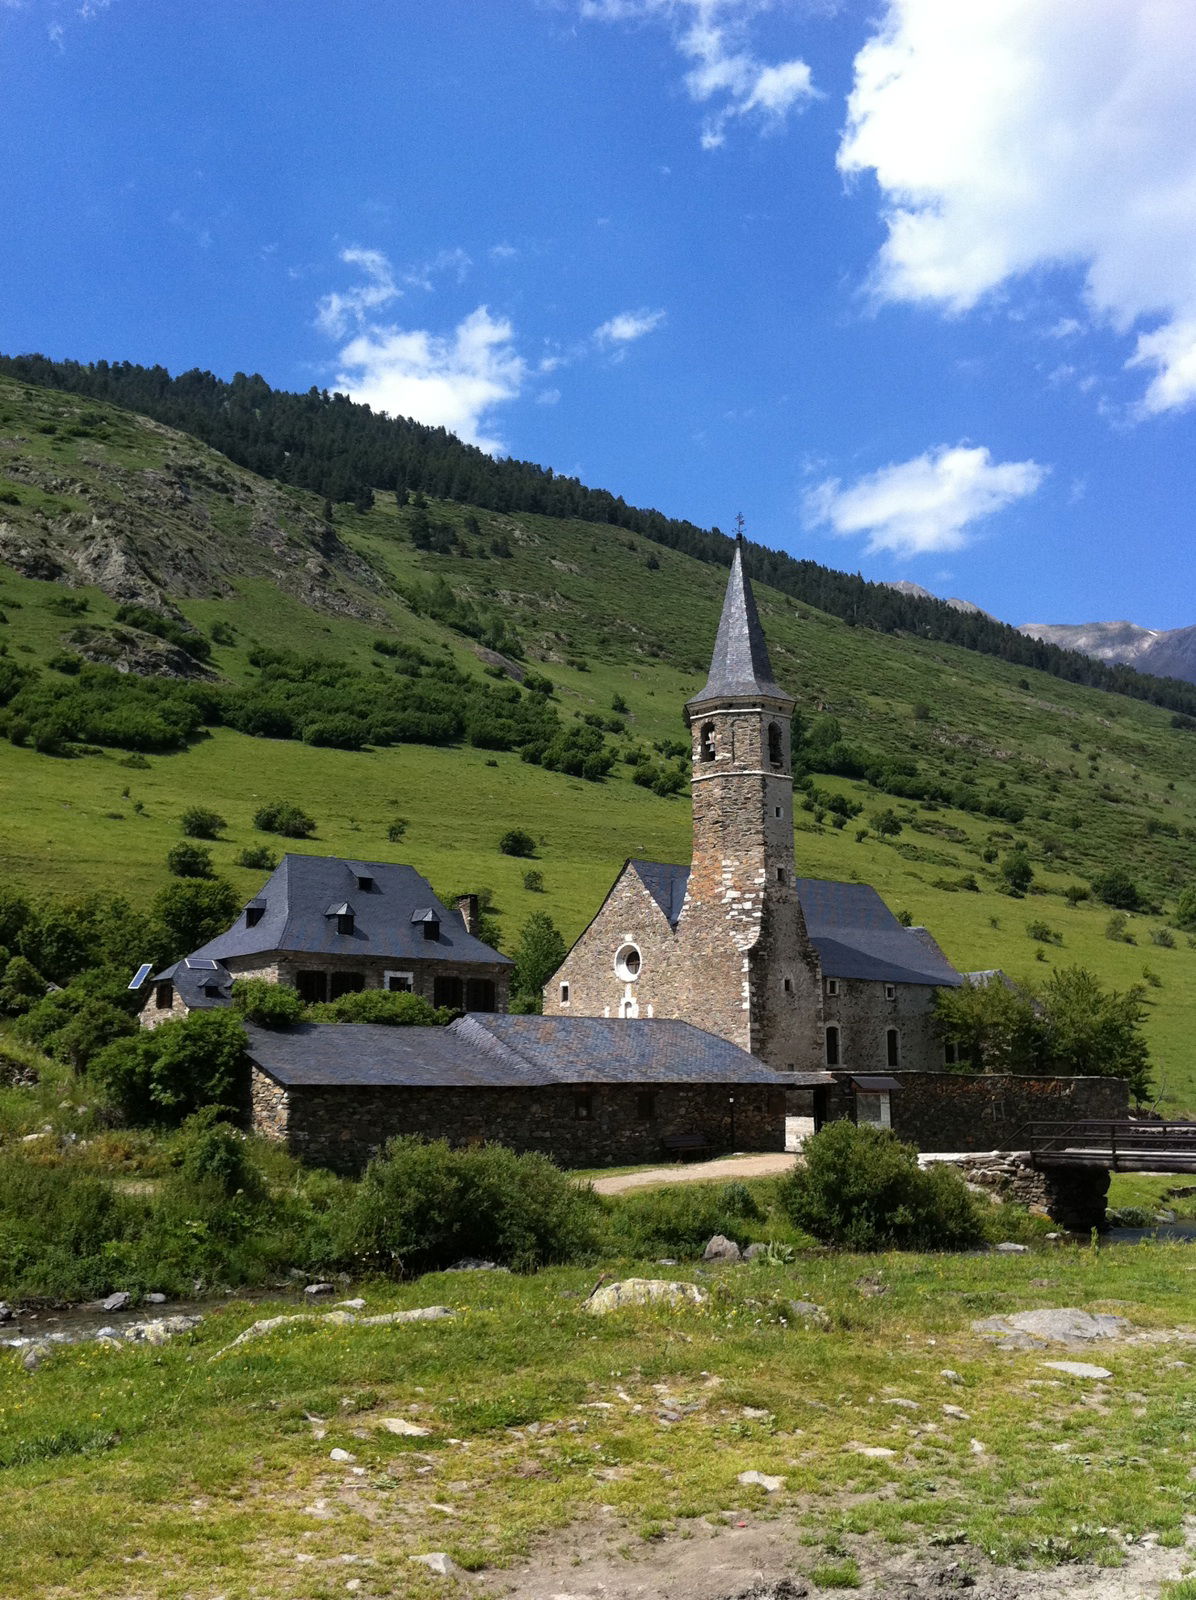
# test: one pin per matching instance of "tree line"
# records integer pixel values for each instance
(344, 451)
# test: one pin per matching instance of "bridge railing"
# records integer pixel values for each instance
(1112, 1142)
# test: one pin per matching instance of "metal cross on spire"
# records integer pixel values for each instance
(739, 526)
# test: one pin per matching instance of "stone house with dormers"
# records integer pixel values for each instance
(805, 974)
(329, 927)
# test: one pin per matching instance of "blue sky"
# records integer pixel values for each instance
(910, 283)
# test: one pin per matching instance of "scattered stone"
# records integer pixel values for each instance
(339, 1319)
(409, 1430)
(341, 1455)
(1029, 1330)
(976, 1447)
(956, 1411)
(474, 1264)
(320, 1288)
(1078, 1369)
(158, 1329)
(720, 1248)
(807, 1309)
(1008, 1248)
(755, 1414)
(765, 1480)
(438, 1562)
(667, 1261)
(643, 1291)
(116, 1302)
(755, 1251)
(155, 1299)
(107, 1333)
(875, 1451)
(951, 1377)
(35, 1355)
(907, 1405)
(783, 1589)
(351, 1305)
(5, 1311)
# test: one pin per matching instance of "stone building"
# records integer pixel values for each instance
(329, 927)
(585, 1091)
(805, 974)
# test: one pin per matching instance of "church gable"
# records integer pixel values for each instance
(618, 965)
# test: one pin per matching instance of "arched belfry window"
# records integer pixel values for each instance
(706, 741)
(776, 749)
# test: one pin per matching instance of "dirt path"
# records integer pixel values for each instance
(698, 1172)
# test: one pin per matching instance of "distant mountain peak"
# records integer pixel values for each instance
(904, 586)
(1168, 653)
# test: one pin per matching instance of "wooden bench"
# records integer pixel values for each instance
(685, 1144)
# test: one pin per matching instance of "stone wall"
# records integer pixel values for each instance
(961, 1111)
(1074, 1197)
(864, 1016)
(284, 967)
(342, 1128)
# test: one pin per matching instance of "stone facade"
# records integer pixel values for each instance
(962, 1111)
(582, 1126)
(866, 1013)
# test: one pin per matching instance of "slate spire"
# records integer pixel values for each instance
(740, 666)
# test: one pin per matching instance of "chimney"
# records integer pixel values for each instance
(467, 910)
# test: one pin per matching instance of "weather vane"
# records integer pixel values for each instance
(739, 527)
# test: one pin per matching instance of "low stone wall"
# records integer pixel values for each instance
(1074, 1197)
(963, 1111)
(342, 1128)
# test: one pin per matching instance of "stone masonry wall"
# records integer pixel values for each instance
(959, 1111)
(628, 916)
(342, 1128)
(864, 1015)
(1074, 1197)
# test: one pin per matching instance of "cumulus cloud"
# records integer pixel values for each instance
(713, 37)
(628, 326)
(452, 380)
(1013, 135)
(930, 503)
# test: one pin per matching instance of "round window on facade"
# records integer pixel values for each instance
(628, 963)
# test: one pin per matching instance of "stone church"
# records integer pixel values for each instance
(803, 973)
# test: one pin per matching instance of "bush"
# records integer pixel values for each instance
(269, 1005)
(423, 1206)
(517, 842)
(886, 823)
(381, 1005)
(190, 861)
(396, 829)
(176, 1069)
(1163, 937)
(199, 823)
(1185, 911)
(677, 1220)
(281, 817)
(1017, 872)
(1116, 927)
(190, 913)
(1043, 932)
(533, 882)
(1116, 888)
(258, 857)
(861, 1188)
(21, 987)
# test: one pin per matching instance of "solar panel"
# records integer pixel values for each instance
(142, 973)
(202, 965)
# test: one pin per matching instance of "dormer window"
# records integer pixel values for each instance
(429, 919)
(365, 883)
(344, 917)
(706, 742)
(254, 914)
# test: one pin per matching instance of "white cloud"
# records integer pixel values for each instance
(452, 381)
(1009, 136)
(454, 262)
(628, 326)
(930, 503)
(713, 37)
(338, 311)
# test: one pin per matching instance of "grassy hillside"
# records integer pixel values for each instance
(98, 507)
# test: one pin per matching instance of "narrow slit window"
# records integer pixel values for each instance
(564, 994)
(893, 1047)
(776, 749)
(832, 1047)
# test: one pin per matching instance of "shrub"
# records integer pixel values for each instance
(21, 987)
(677, 1220)
(190, 913)
(269, 1005)
(862, 1188)
(199, 823)
(1075, 893)
(1017, 872)
(517, 842)
(1163, 937)
(1043, 932)
(381, 1005)
(280, 816)
(259, 857)
(190, 861)
(1116, 928)
(1116, 888)
(422, 1206)
(886, 823)
(179, 1067)
(396, 829)
(533, 882)
(1185, 911)
(210, 1150)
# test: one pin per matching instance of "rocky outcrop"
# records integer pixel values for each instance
(131, 650)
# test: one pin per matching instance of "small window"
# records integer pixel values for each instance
(832, 1046)
(366, 885)
(312, 987)
(893, 1047)
(344, 922)
(832, 987)
(564, 994)
(211, 991)
(890, 991)
(432, 931)
(950, 1054)
(788, 985)
(645, 1105)
(780, 874)
(776, 748)
(340, 983)
(706, 742)
(253, 915)
(776, 811)
(479, 994)
(399, 982)
(164, 996)
(628, 963)
(448, 991)
(583, 1105)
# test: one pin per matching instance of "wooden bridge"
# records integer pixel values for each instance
(1118, 1146)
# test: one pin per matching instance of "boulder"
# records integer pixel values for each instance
(763, 1480)
(755, 1251)
(320, 1288)
(643, 1291)
(720, 1248)
(438, 1562)
(1079, 1369)
(407, 1430)
(807, 1311)
(115, 1302)
(1065, 1325)
(339, 1319)
(1008, 1248)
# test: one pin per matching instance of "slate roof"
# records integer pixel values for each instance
(303, 890)
(496, 1051)
(190, 982)
(854, 932)
(740, 666)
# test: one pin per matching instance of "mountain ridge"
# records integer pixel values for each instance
(1161, 652)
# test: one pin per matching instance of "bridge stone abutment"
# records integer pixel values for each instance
(1074, 1197)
